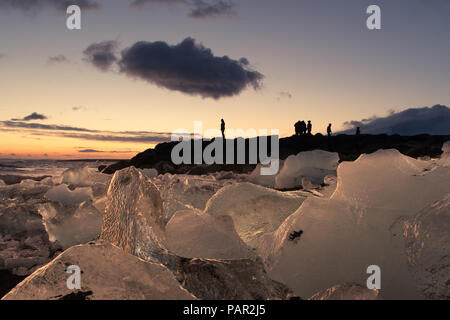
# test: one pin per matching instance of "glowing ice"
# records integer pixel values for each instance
(428, 247)
(108, 273)
(312, 165)
(255, 210)
(192, 234)
(360, 225)
(65, 196)
(70, 226)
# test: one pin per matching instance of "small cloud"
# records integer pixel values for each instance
(199, 9)
(99, 151)
(33, 116)
(90, 151)
(49, 130)
(36, 5)
(79, 108)
(102, 54)
(140, 3)
(208, 9)
(284, 95)
(57, 59)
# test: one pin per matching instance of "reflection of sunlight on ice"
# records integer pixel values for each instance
(351, 216)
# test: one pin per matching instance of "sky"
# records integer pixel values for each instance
(135, 73)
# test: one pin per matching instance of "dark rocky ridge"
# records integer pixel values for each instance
(349, 147)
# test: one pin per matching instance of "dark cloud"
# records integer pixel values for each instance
(90, 151)
(61, 131)
(413, 121)
(139, 3)
(33, 116)
(57, 59)
(34, 5)
(204, 9)
(115, 137)
(40, 126)
(100, 151)
(102, 54)
(198, 8)
(188, 67)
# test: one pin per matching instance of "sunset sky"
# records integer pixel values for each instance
(312, 60)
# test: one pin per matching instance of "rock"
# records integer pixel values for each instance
(229, 280)
(164, 167)
(107, 273)
(255, 210)
(349, 148)
(428, 247)
(8, 280)
(116, 166)
(348, 291)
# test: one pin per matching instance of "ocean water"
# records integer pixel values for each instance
(39, 168)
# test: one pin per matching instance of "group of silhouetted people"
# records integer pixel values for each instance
(302, 128)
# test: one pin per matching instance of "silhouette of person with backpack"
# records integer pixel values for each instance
(303, 128)
(358, 131)
(297, 126)
(329, 130)
(222, 128)
(309, 127)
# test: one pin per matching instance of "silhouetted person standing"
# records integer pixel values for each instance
(329, 130)
(309, 127)
(298, 129)
(222, 128)
(358, 131)
(303, 129)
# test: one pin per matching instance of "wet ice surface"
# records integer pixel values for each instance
(306, 169)
(113, 275)
(38, 219)
(384, 209)
(360, 225)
